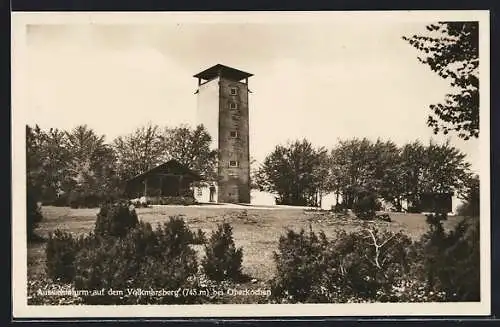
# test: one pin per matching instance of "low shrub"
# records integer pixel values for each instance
(174, 200)
(358, 266)
(300, 264)
(60, 254)
(144, 266)
(175, 234)
(80, 199)
(222, 259)
(451, 260)
(77, 199)
(115, 219)
(339, 208)
(199, 237)
(60, 201)
(366, 206)
(33, 215)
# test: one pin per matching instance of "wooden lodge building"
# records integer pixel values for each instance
(168, 179)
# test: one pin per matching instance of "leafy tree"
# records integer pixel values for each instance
(35, 139)
(412, 171)
(139, 151)
(33, 213)
(385, 172)
(190, 147)
(290, 173)
(446, 170)
(451, 49)
(322, 175)
(471, 204)
(432, 168)
(46, 166)
(254, 170)
(353, 176)
(92, 161)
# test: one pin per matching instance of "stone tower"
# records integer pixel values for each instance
(223, 110)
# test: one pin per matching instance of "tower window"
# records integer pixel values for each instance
(233, 91)
(234, 134)
(234, 163)
(233, 106)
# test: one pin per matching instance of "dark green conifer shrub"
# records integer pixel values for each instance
(222, 259)
(115, 219)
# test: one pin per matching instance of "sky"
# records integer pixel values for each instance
(322, 81)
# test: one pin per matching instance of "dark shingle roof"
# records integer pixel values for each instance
(223, 71)
(169, 167)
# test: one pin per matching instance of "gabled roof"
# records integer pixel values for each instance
(223, 71)
(169, 167)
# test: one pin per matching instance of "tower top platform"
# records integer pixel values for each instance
(222, 71)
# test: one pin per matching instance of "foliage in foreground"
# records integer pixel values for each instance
(372, 265)
(131, 258)
(222, 259)
(451, 49)
(145, 259)
(115, 220)
(33, 214)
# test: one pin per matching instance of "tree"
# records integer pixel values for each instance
(446, 169)
(451, 49)
(385, 172)
(433, 168)
(352, 172)
(412, 167)
(138, 151)
(254, 170)
(290, 173)
(322, 175)
(92, 162)
(46, 165)
(34, 179)
(471, 205)
(190, 147)
(33, 213)
(35, 139)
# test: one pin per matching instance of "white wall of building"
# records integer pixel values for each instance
(208, 109)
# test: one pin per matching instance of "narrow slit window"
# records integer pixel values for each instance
(233, 163)
(233, 106)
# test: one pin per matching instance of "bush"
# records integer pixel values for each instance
(115, 219)
(300, 264)
(60, 253)
(357, 266)
(80, 199)
(365, 207)
(451, 261)
(60, 201)
(199, 237)
(222, 260)
(175, 234)
(175, 200)
(144, 260)
(33, 215)
(339, 208)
